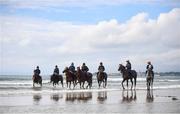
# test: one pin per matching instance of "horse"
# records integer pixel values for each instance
(102, 77)
(56, 78)
(126, 76)
(70, 77)
(149, 79)
(82, 77)
(37, 79)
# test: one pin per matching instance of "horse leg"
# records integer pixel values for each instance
(152, 83)
(122, 83)
(127, 83)
(41, 83)
(33, 84)
(70, 85)
(62, 83)
(89, 84)
(105, 82)
(99, 82)
(80, 84)
(67, 83)
(83, 85)
(132, 84)
(148, 84)
(135, 83)
(74, 84)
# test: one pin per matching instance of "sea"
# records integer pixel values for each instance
(22, 84)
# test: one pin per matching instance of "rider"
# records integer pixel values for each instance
(101, 68)
(84, 68)
(72, 68)
(128, 67)
(56, 70)
(149, 67)
(36, 72)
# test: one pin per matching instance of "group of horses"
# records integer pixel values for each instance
(74, 78)
(81, 77)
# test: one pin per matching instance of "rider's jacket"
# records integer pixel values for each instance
(101, 68)
(149, 67)
(37, 71)
(84, 68)
(56, 71)
(72, 68)
(128, 66)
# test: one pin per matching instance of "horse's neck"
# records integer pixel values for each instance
(123, 71)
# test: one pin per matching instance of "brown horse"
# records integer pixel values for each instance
(102, 77)
(126, 76)
(56, 78)
(70, 77)
(82, 77)
(149, 79)
(37, 79)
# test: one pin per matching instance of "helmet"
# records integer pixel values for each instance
(84, 64)
(101, 63)
(127, 60)
(149, 62)
(37, 67)
(72, 64)
(56, 66)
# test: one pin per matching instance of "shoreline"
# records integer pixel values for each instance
(116, 101)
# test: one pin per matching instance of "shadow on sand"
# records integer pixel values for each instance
(102, 96)
(149, 97)
(78, 96)
(55, 97)
(37, 98)
(129, 96)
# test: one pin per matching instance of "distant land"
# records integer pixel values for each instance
(156, 73)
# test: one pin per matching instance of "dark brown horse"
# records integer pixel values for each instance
(126, 76)
(70, 77)
(149, 79)
(102, 77)
(56, 78)
(37, 79)
(82, 77)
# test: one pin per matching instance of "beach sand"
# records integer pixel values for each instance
(101, 101)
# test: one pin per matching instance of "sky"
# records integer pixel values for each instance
(57, 32)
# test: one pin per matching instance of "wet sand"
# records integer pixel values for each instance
(116, 101)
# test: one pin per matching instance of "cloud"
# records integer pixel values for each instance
(139, 39)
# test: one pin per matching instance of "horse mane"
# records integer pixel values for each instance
(123, 66)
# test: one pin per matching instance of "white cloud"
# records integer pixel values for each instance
(139, 39)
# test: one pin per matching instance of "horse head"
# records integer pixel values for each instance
(121, 67)
(65, 70)
(78, 69)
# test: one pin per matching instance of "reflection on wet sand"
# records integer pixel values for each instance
(36, 98)
(102, 96)
(149, 97)
(129, 96)
(56, 97)
(79, 96)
